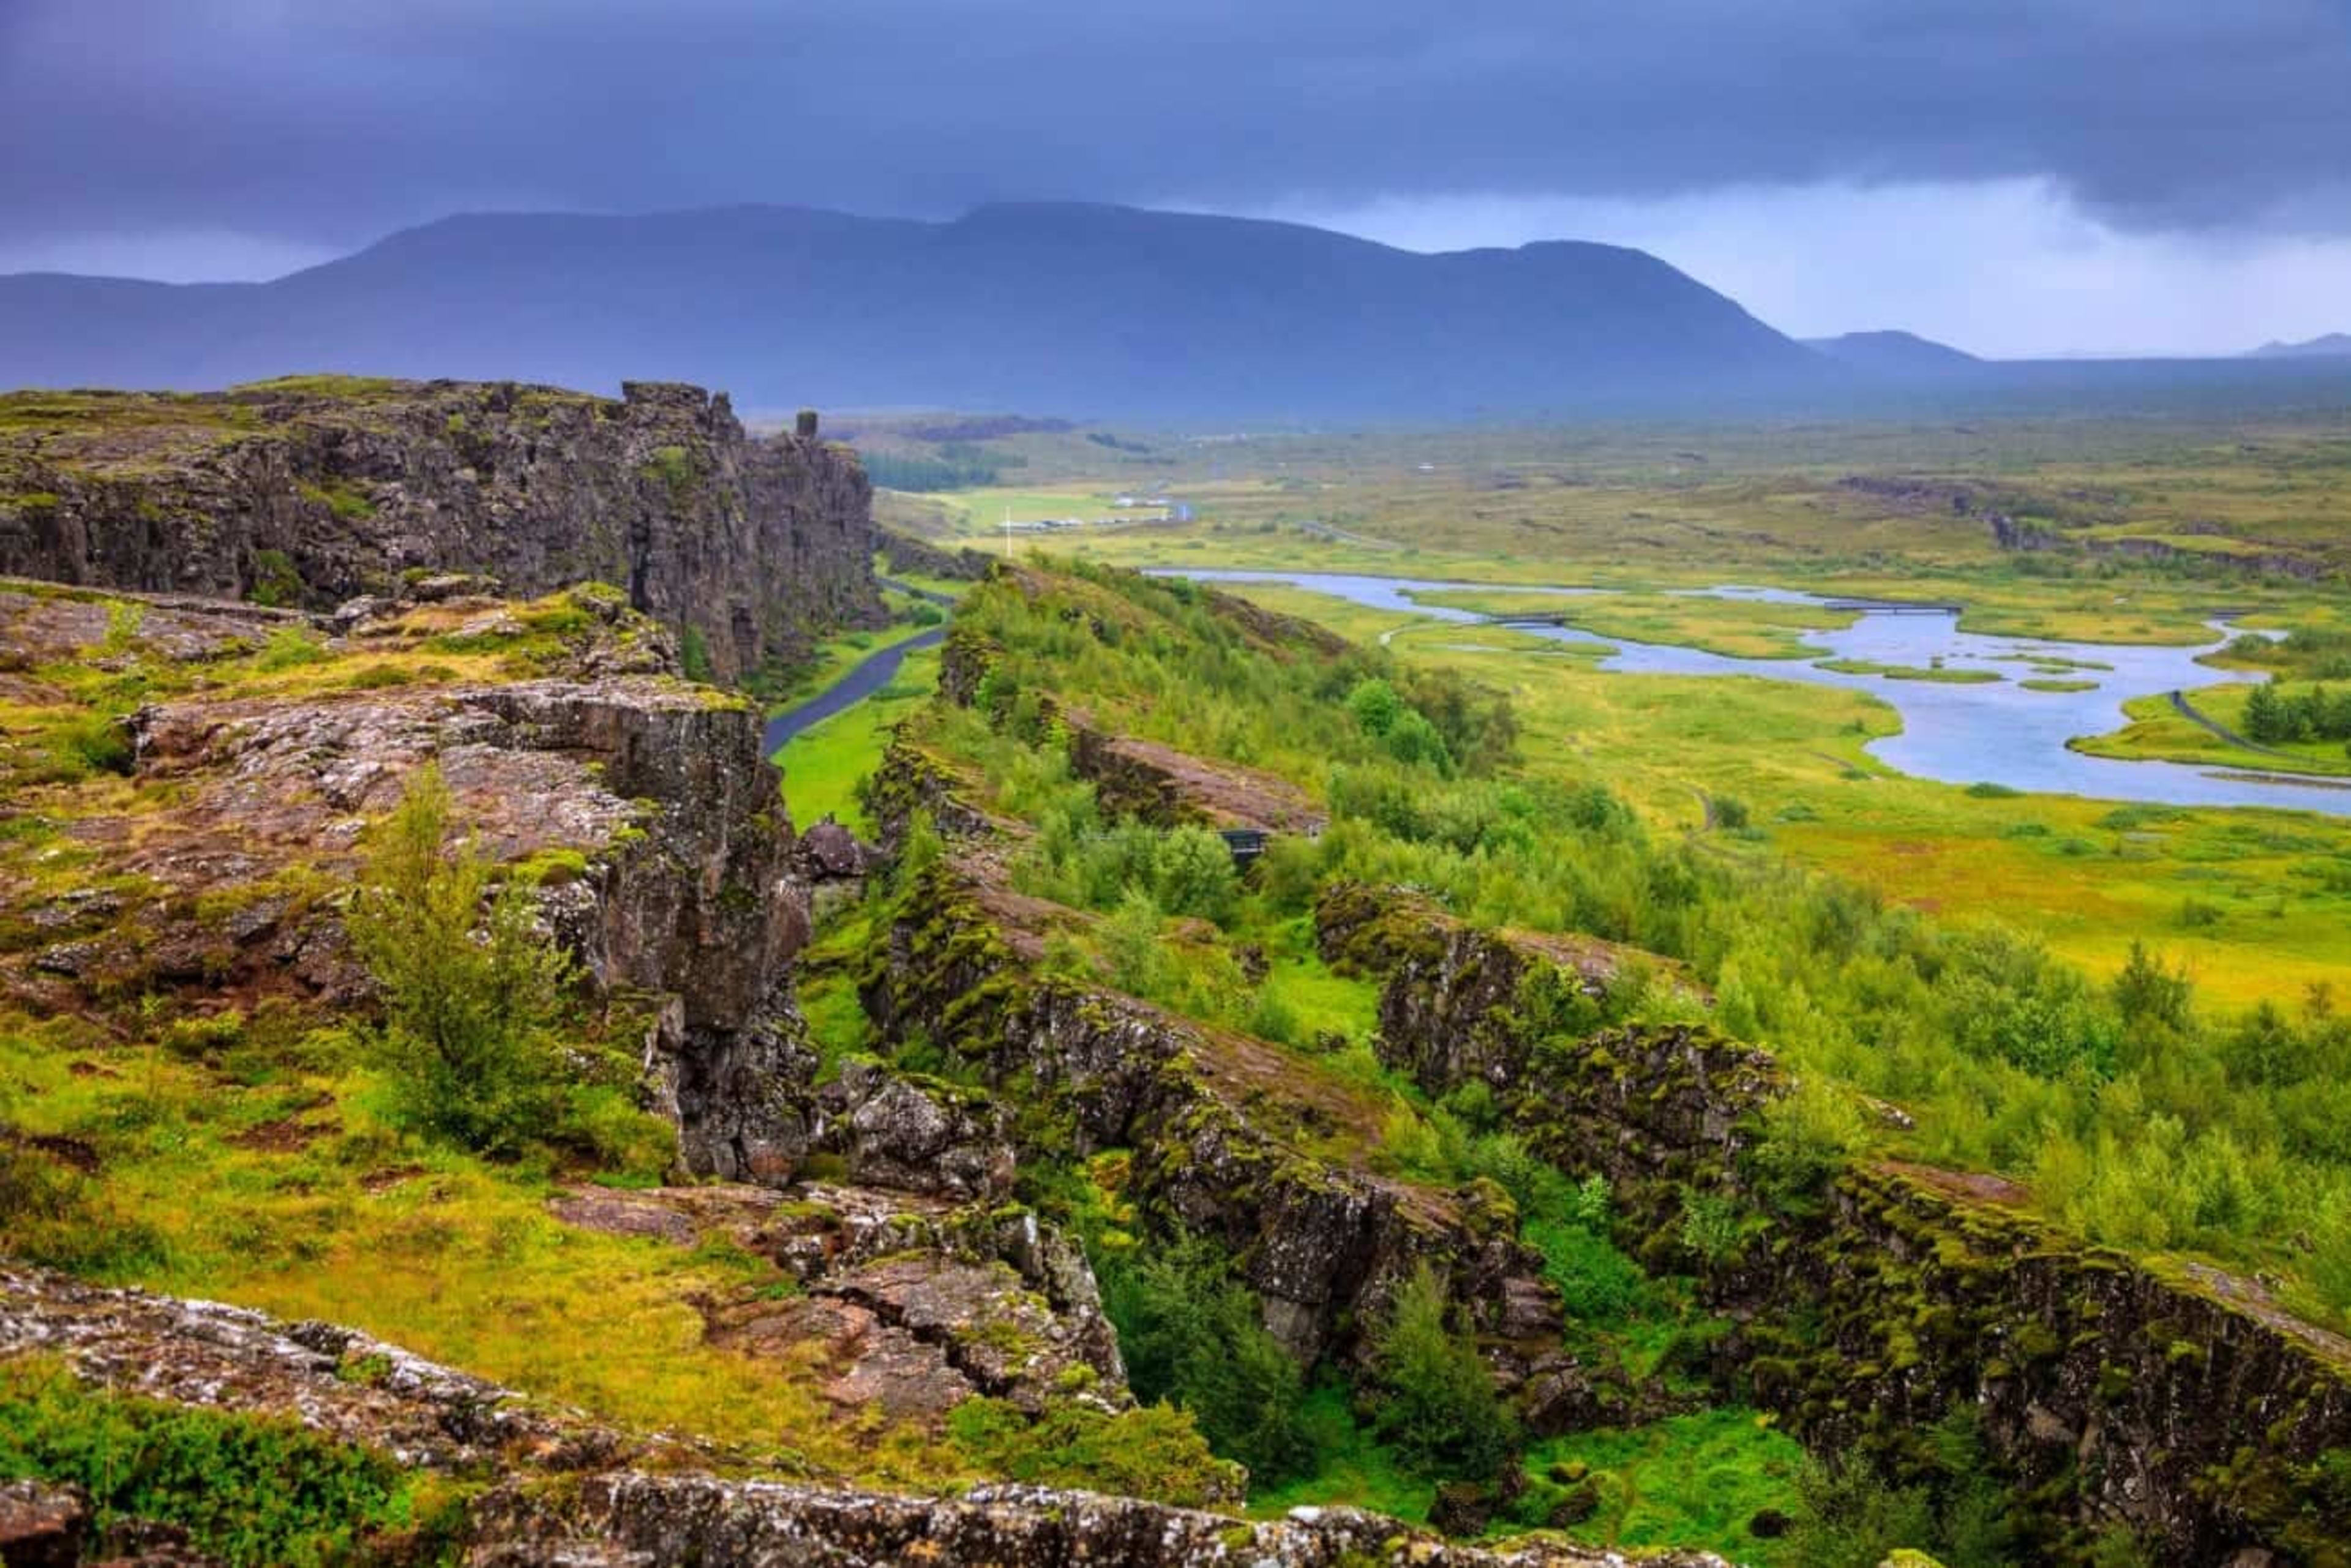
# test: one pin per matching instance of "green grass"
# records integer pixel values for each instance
(1691, 1482)
(823, 765)
(1737, 627)
(2048, 684)
(1356, 1470)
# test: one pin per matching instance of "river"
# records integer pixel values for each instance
(1990, 732)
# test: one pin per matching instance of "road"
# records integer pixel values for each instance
(866, 677)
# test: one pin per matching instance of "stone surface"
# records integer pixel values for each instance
(926, 1137)
(42, 1526)
(647, 1519)
(573, 1493)
(325, 488)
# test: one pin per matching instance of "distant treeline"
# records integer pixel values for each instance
(958, 466)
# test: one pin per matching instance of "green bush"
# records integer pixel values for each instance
(1436, 1404)
(1194, 873)
(694, 654)
(1194, 1336)
(1376, 707)
(51, 1213)
(247, 1489)
(289, 646)
(470, 988)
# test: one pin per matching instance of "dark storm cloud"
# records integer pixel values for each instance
(329, 120)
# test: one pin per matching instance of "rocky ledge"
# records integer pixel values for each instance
(312, 489)
(541, 1487)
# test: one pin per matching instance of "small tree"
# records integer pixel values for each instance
(2266, 721)
(1375, 705)
(470, 987)
(1440, 1410)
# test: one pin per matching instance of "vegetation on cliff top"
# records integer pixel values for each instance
(2134, 1114)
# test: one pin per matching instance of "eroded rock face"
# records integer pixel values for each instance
(1324, 1242)
(322, 491)
(2184, 1406)
(926, 1137)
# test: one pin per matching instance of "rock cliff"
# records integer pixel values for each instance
(2177, 1403)
(640, 800)
(531, 1485)
(311, 490)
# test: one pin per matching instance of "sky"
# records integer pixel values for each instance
(2013, 176)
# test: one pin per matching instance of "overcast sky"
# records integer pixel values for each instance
(2014, 177)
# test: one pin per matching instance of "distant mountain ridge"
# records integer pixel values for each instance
(1061, 308)
(1896, 353)
(2333, 345)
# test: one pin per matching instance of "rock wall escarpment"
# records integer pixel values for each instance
(316, 489)
(536, 1487)
(1324, 1244)
(2177, 1403)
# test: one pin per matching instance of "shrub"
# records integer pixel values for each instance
(694, 653)
(1194, 873)
(275, 581)
(248, 1489)
(289, 646)
(1376, 707)
(1194, 1336)
(1438, 1408)
(1809, 1135)
(1155, 1452)
(469, 985)
(93, 743)
(51, 1213)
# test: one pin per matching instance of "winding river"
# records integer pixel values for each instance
(1990, 732)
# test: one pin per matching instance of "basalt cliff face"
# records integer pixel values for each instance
(2180, 1402)
(311, 490)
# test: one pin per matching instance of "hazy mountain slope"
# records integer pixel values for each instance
(1896, 353)
(1076, 308)
(2333, 345)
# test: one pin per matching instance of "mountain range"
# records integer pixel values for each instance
(1100, 310)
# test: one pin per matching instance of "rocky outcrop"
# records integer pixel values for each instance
(637, 1518)
(1165, 786)
(640, 801)
(1324, 1242)
(540, 1487)
(904, 552)
(1457, 1002)
(313, 490)
(2177, 1403)
(898, 1303)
